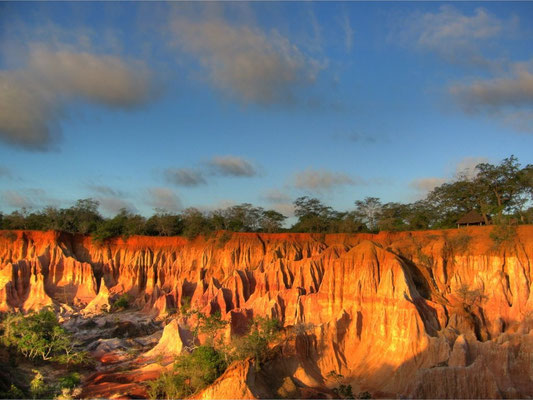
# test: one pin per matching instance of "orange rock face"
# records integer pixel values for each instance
(442, 314)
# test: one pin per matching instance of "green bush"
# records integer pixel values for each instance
(38, 388)
(344, 392)
(191, 373)
(13, 393)
(122, 302)
(70, 381)
(39, 336)
(196, 370)
(255, 344)
(503, 234)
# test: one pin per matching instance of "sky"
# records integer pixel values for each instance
(151, 106)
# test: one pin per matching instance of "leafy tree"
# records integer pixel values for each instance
(164, 224)
(368, 210)
(39, 336)
(263, 331)
(393, 217)
(499, 183)
(313, 216)
(195, 223)
(272, 221)
(123, 224)
(191, 373)
(38, 388)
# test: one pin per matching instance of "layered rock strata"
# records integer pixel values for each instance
(423, 314)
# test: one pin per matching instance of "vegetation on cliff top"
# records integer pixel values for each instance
(501, 193)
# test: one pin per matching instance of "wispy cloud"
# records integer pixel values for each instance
(455, 36)
(33, 98)
(464, 168)
(276, 196)
(185, 176)
(33, 198)
(279, 201)
(5, 172)
(164, 199)
(509, 97)
(105, 190)
(359, 137)
(426, 185)
(232, 166)
(113, 205)
(245, 62)
(348, 31)
(322, 180)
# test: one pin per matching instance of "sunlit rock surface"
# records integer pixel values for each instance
(433, 314)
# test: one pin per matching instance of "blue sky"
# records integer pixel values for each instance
(173, 105)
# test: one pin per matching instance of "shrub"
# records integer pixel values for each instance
(255, 344)
(38, 388)
(344, 392)
(13, 393)
(39, 335)
(122, 302)
(70, 381)
(223, 239)
(459, 243)
(191, 373)
(470, 297)
(167, 386)
(503, 234)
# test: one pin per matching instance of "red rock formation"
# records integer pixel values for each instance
(394, 313)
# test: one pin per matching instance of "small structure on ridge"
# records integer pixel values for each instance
(471, 218)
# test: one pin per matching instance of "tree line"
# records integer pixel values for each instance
(501, 193)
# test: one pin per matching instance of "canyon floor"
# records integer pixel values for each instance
(432, 314)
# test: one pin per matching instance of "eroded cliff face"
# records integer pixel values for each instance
(422, 314)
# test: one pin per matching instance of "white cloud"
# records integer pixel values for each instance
(232, 166)
(508, 98)
(106, 190)
(426, 185)
(5, 172)
(185, 176)
(348, 32)
(33, 198)
(455, 36)
(113, 205)
(276, 196)
(466, 167)
(279, 201)
(164, 199)
(251, 65)
(33, 98)
(322, 180)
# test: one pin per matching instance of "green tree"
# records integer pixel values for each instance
(271, 221)
(313, 216)
(195, 223)
(255, 343)
(191, 373)
(38, 335)
(164, 224)
(368, 211)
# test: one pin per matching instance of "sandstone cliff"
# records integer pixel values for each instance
(423, 314)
